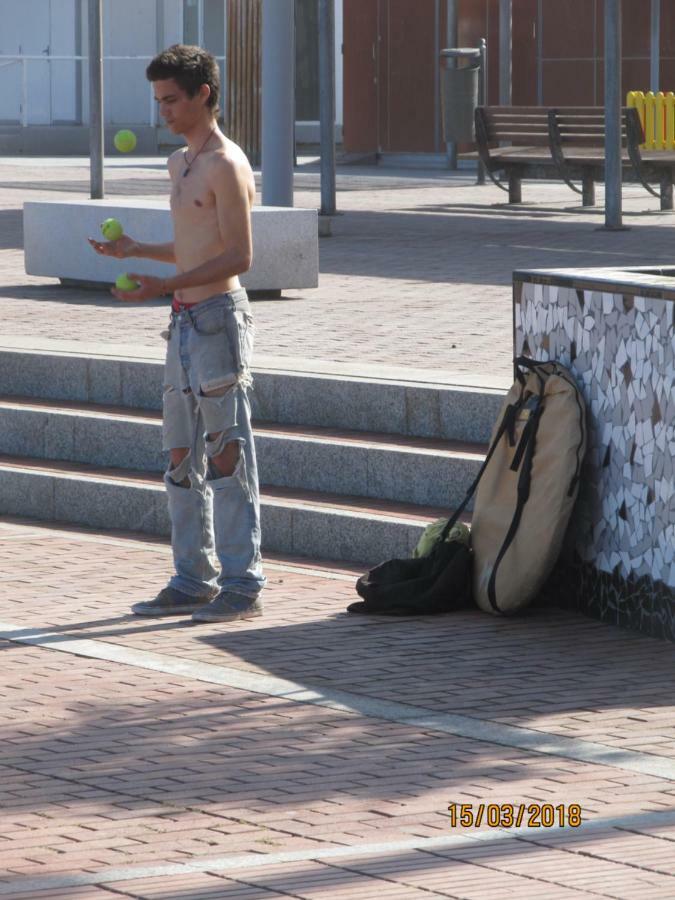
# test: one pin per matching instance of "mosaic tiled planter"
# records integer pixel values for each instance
(615, 329)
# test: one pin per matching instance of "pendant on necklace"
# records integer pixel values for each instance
(188, 165)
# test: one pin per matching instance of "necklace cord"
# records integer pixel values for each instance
(188, 165)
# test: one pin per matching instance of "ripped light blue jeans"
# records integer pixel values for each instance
(206, 378)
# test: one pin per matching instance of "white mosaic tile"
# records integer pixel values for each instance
(623, 357)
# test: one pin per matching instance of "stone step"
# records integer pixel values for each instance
(297, 522)
(285, 391)
(379, 466)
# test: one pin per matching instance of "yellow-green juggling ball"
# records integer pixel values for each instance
(112, 230)
(125, 140)
(124, 283)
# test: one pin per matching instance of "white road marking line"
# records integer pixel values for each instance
(346, 701)
(253, 861)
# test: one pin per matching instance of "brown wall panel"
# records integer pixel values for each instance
(492, 36)
(572, 67)
(472, 22)
(382, 71)
(634, 75)
(480, 19)
(668, 28)
(524, 53)
(668, 74)
(410, 76)
(568, 30)
(568, 83)
(636, 27)
(360, 88)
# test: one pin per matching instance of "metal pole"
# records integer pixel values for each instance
(96, 99)
(437, 79)
(452, 40)
(655, 46)
(482, 96)
(327, 104)
(505, 28)
(613, 114)
(24, 93)
(540, 53)
(278, 102)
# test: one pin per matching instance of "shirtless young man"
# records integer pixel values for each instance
(212, 480)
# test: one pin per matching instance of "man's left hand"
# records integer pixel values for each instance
(149, 288)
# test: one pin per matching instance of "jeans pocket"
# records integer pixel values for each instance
(210, 321)
(246, 331)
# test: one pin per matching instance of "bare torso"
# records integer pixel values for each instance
(197, 236)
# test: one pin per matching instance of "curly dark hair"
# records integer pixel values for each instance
(190, 67)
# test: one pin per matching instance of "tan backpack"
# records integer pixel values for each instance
(528, 487)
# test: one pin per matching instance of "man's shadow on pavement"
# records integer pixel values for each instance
(73, 295)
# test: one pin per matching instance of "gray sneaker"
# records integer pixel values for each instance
(228, 607)
(170, 602)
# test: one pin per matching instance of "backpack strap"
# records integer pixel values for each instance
(526, 437)
(534, 365)
(524, 454)
(524, 362)
(506, 425)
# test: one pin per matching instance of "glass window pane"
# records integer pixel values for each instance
(191, 21)
(306, 60)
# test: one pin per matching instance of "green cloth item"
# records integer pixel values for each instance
(432, 533)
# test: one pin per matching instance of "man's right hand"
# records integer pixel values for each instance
(122, 248)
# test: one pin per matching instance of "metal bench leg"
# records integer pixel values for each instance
(515, 192)
(588, 189)
(667, 189)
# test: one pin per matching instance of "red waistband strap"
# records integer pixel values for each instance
(177, 306)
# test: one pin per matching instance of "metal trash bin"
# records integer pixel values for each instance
(460, 92)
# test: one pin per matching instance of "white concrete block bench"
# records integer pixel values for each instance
(285, 242)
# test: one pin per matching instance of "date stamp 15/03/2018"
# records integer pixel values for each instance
(514, 815)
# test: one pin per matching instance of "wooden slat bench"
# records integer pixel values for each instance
(569, 140)
(525, 128)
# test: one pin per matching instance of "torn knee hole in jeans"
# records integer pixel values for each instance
(170, 389)
(218, 387)
(219, 405)
(180, 473)
(216, 445)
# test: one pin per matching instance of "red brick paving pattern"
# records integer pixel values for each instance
(417, 274)
(106, 765)
(550, 670)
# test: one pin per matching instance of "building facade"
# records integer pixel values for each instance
(44, 106)
(386, 52)
(391, 61)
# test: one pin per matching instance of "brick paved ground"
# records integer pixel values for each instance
(156, 759)
(417, 273)
(109, 765)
